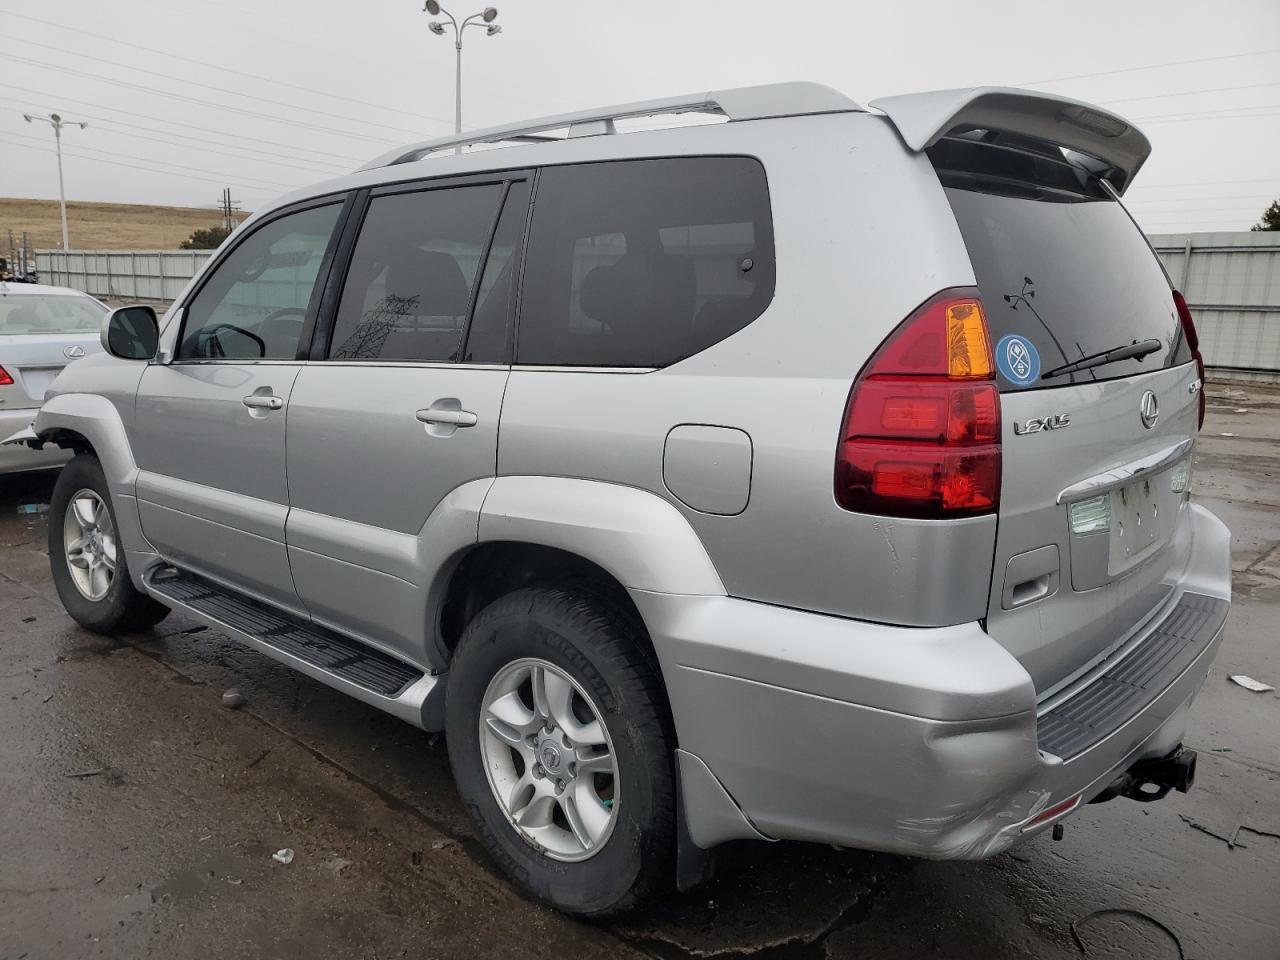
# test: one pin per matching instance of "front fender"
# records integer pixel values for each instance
(638, 537)
(97, 420)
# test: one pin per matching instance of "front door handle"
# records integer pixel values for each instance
(257, 401)
(448, 417)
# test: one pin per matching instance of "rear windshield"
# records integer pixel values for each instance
(40, 313)
(1064, 273)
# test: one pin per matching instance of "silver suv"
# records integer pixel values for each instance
(821, 474)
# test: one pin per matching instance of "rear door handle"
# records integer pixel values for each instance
(257, 401)
(448, 417)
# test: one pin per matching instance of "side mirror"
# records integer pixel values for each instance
(131, 333)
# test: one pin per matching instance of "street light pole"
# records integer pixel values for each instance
(58, 123)
(485, 19)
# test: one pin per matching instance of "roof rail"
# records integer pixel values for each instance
(742, 103)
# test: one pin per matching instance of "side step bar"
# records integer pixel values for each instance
(340, 662)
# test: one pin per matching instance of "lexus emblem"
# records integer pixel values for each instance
(73, 352)
(1149, 410)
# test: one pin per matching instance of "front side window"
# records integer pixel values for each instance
(254, 305)
(642, 263)
(408, 289)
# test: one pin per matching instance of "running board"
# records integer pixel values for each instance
(340, 662)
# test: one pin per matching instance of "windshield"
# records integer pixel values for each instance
(49, 313)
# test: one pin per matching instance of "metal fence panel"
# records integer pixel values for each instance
(158, 275)
(1232, 284)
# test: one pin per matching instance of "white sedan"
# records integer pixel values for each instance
(42, 329)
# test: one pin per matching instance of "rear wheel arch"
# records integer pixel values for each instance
(494, 569)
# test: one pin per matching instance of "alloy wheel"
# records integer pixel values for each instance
(549, 759)
(89, 539)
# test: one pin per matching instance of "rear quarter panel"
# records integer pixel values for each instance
(863, 235)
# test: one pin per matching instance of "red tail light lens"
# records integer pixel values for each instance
(5, 379)
(921, 433)
(1193, 341)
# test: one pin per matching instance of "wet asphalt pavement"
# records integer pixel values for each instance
(139, 815)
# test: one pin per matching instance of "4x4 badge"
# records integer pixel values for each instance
(1036, 424)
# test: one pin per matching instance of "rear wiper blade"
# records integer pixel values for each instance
(1129, 351)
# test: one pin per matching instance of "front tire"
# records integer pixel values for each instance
(86, 558)
(561, 745)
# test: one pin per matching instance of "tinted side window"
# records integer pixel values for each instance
(254, 304)
(408, 289)
(642, 263)
(487, 338)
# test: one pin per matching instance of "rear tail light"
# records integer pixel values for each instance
(1193, 341)
(5, 379)
(921, 434)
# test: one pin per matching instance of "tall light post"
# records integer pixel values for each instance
(58, 123)
(484, 19)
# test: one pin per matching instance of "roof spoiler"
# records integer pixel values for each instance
(923, 119)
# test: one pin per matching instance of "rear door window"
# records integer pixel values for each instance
(409, 287)
(1064, 273)
(642, 263)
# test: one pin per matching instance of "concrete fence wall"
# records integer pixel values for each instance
(1231, 281)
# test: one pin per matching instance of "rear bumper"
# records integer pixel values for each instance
(915, 741)
(17, 456)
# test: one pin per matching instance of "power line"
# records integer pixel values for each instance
(1189, 93)
(1231, 211)
(1206, 183)
(1150, 66)
(346, 118)
(199, 102)
(235, 156)
(134, 166)
(318, 171)
(1235, 196)
(215, 66)
(258, 181)
(1168, 218)
(297, 27)
(1238, 116)
(1204, 113)
(190, 126)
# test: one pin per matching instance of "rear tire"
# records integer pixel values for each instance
(86, 558)
(618, 794)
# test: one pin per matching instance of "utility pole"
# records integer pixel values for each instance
(58, 123)
(229, 209)
(483, 19)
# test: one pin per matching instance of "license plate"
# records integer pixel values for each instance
(1142, 517)
(36, 381)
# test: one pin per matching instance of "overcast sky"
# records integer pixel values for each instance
(184, 97)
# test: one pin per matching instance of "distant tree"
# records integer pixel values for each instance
(205, 239)
(1270, 218)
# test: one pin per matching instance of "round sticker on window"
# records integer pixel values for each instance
(1017, 359)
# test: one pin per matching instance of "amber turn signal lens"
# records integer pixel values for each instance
(968, 346)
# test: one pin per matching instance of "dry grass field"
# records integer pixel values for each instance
(101, 226)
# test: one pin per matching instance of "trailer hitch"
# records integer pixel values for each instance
(1149, 780)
